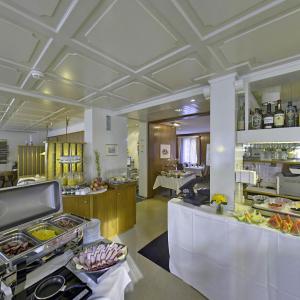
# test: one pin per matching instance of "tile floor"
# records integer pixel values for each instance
(149, 280)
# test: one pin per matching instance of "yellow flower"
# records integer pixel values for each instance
(219, 199)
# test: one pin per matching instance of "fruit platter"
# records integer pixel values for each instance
(98, 185)
(99, 257)
(254, 217)
(285, 224)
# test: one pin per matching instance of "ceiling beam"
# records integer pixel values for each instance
(204, 90)
(39, 96)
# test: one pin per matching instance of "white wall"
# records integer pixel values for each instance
(18, 138)
(73, 127)
(132, 142)
(96, 136)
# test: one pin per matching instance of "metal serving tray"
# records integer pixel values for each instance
(23, 204)
(17, 237)
(44, 226)
(68, 218)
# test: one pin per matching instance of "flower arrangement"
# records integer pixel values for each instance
(220, 200)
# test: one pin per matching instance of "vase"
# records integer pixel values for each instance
(219, 209)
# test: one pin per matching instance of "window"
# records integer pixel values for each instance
(190, 146)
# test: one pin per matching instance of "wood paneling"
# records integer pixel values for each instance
(116, 208)
(74, 137)
(158, 134)
(31, 161)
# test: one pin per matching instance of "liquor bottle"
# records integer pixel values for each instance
(241, 117)
(250, 119)
(268, 117)
(290, 115)
(296, 116)
(279, 116)
(257, 119)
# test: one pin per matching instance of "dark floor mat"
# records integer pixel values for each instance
(158, 251)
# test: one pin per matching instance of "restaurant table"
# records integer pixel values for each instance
(172, 183)
(229, 260)
(196, 170)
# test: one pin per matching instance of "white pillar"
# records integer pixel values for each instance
(97, 137)
(143, 159)
(222, 137)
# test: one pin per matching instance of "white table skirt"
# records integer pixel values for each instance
(228, 260)
(172, 182)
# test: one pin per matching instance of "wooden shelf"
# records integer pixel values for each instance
(274, 161)
(274, 135)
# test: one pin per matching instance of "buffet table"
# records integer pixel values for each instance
(196, 170)
(172, 183)
(228, 260)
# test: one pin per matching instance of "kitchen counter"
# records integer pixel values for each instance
(229, 260)
(115, 208)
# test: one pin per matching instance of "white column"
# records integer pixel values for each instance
(97, 137)
(143, 159)
(222, 137)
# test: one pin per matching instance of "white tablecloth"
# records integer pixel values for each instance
(228, 260)
(172, 182)
(196, 170)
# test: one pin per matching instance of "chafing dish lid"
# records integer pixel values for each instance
(22, 204)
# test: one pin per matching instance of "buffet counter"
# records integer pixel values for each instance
(229, 260)
(115, 208)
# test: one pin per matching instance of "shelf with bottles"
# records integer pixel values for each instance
(284, 153)
(270, 102)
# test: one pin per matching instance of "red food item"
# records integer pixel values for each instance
(275, 205)
(296, 228)
(275, 221)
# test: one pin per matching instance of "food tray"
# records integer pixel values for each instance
(44, 226)
(68, 218)
(16, 237)
(72, 264)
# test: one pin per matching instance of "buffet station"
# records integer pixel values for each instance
(241, 255)
(48, 254)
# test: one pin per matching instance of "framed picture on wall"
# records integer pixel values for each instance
(165, 151)
(111, 149)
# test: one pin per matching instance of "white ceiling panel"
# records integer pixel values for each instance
(114, 54)
(180, 74)
(108, 102)
(269, 46)
(62, 89)
(76, 67)
(136, 91)
(17, 43)
(130, 33)
(222, 11)
(9, 75)
(39, 7)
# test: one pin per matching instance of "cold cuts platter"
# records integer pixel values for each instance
(98, 257)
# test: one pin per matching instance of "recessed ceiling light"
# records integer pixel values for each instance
(178, 109)
(193, 100)
(176, 124)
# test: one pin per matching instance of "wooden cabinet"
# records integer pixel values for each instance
(78, 205)
(116, 208)
(126, 208)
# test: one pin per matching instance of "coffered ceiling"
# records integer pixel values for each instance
(115, 54)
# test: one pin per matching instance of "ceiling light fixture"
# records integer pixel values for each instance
(176, 124)
(178, 109)
(192, 100)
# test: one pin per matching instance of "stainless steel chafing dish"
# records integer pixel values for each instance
(25, 210)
